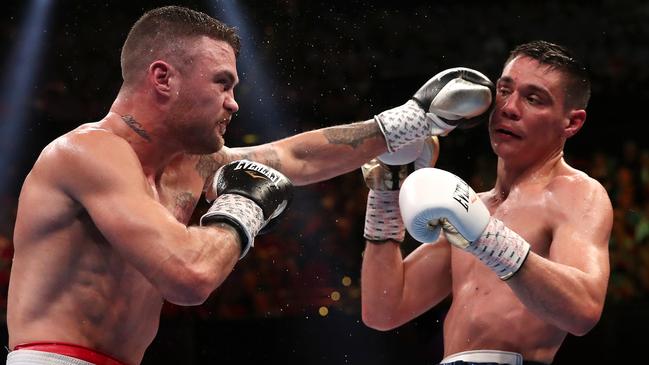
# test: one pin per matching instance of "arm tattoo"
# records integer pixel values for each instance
(184, 206)
(353, 135)
(267, 155)
(136, 127)
(208, 164)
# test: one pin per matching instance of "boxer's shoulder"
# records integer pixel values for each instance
(84, 156)
(574, 195)
(84, 139)
(572, 184)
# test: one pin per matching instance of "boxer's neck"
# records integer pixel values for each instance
(153, 150)
(511, 175)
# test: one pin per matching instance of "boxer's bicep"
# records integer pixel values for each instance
(581, 239)
(108, 182)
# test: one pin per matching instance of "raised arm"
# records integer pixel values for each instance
(394, 290)
(566, 289)
(103, 174)
(569, 287)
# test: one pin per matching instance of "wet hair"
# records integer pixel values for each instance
(577, 81)
(162, 33)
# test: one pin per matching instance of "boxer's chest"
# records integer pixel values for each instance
(528, 216)
(178, 189)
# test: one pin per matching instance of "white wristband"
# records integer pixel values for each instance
(501, 249)
(383, 218)
(242, 211)
(403, 124)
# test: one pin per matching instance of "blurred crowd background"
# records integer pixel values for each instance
(311, 64)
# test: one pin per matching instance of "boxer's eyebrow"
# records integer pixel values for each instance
(228, 76)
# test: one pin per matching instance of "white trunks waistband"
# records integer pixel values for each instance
(31, 357)
(499, 357)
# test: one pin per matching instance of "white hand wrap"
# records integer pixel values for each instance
(407, 123)
(247, 214)
(382, 218)
(500, 248)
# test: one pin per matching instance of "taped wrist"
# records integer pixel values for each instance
(382, 217)
(403, 124)
(501, 249)
(242, 213)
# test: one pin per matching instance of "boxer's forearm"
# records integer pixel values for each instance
(562, 295)
(382, 284)
(396, 290)
(320, 154)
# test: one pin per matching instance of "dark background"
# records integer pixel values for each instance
(312, 64)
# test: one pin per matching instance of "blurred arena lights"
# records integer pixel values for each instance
(21, 68)
(323, 311)
(255, 91)
(347, 281)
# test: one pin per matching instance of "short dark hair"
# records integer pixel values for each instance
(160, 31)
(562, 60)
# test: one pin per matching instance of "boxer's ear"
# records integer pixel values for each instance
(575, 120)
(160, 76)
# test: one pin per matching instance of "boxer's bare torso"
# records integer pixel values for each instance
(485, 313)
(68, 283)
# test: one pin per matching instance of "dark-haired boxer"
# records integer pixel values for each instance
(526, 262)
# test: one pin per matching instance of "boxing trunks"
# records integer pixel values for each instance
(56, 353)
(487, 357)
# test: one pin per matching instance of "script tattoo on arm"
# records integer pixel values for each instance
(352, 135)
(136, 127)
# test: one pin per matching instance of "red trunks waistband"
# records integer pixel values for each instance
(71, 350)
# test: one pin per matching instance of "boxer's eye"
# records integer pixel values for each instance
(503, 91)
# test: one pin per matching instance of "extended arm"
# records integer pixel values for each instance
(457, 97)
(320, 154)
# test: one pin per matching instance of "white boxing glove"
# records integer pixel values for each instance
(454, 98)
(433, 200)
(404, 155)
